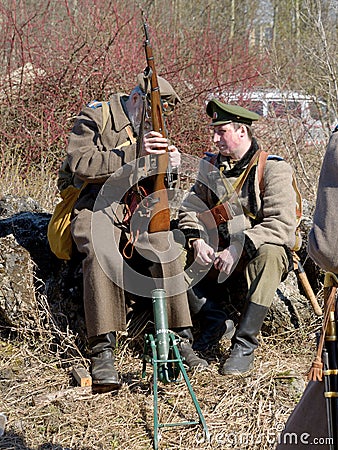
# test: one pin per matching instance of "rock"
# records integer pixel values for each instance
(18, 306)
(34, 282)
(289, 310)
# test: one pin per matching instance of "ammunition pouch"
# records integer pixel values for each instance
(216, 215)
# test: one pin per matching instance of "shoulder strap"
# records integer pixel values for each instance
(131, 138)
(238, 184)
(131, 134)
(105, 115)
(241, 179)
(260, 170)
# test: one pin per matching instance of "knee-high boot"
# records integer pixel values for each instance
(102, 359)
(244, 342)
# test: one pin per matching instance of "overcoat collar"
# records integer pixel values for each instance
(119, 116)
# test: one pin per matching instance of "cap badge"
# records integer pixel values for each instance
(215, 115)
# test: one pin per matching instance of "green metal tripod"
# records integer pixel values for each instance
(162, 352)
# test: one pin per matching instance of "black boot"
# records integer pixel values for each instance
(213, 319)
(214, 324)
(241, 359)
(102, 359)
(190, 358)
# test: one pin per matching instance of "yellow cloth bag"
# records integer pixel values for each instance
(59, 232)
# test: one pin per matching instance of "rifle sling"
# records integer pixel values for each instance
(238, 184)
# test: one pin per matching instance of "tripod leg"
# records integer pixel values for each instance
(190, 389)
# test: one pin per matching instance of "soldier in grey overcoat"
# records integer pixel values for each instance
(323, 236)
(102, 153)
(251, 238)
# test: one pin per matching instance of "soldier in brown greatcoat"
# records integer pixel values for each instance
(103, 155)
(254, 243)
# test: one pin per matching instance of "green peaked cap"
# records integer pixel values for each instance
(222, 113)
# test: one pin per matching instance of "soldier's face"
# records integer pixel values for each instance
(227, 139)
(135, 112)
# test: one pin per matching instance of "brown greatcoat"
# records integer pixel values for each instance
(94, 157)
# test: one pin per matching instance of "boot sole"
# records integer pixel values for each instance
(237, 373)
(105, 386)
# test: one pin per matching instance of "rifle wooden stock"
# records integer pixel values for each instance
(160, 219)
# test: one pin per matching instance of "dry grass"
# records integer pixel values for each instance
(241, 414)
(38, 183)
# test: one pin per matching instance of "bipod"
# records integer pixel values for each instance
(162, 352)
(169, 371)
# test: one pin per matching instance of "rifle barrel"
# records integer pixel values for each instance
(160, 219)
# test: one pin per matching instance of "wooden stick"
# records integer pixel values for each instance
(300, 272)
(77, 393)
(82, 376)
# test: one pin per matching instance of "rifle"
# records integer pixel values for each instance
(160, 218)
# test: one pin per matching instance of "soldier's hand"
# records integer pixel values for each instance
(225, 260)
(174, 157)
(204, 254)
(154, 144)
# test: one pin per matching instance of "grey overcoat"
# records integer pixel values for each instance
(323, 237)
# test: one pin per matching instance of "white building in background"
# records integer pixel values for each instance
(286, 106)
(276, 103)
